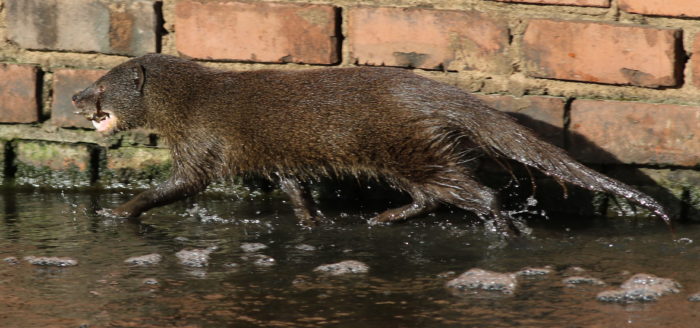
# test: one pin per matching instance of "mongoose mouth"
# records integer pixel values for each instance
(103, 120)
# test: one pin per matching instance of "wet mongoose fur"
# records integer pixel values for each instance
(291, 126)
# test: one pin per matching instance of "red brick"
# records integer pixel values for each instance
(682, 8)
(588, 3)
(262, 32)
(426, 38)
(602, 53)
(18, 94)
(632, 132)
(119, 27)
(544, 115)
(67, 82)
(695, 61)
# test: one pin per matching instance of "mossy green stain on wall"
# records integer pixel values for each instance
(135, 167)
(52, 164)
(53, 155)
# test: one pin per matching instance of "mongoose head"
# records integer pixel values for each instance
(115, 101)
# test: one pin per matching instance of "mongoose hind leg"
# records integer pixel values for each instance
(302, 202)
(418, 207)
(457, 187)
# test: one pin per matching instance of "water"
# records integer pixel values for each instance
(409, 266)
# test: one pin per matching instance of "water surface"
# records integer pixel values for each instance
(405, 286)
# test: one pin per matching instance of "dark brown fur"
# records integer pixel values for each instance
(413, 132)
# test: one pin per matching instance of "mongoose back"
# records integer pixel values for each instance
(291, 126)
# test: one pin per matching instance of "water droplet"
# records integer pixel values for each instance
(684, 241)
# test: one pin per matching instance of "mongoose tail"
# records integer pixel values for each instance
(503, 137)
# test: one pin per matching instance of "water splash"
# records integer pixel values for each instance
(203, 215)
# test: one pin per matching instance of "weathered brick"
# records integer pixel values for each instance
(602, 53)
(426, 38)
(67, 82)
(632, 132)
(256, 31)
(588, 3)
(52, 164)
(544, 115)
(18, 94)
(695, 61)
(116, 27)
(682, 8)
(135, 167)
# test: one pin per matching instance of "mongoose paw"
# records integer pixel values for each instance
(378, 220)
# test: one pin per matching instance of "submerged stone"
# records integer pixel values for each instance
(581, 280)
(11, 260)
(264, 261)
(150, 281)
(641, 287)
(196, 258)
(253, 247)
(305, 247)
(143, 260)
(530, 271)
(51, 261)
(478, 279)
(344, 267)
(695, 297)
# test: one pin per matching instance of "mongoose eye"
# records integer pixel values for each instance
(101, 88)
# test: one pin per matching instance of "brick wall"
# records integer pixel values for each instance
(615, 82)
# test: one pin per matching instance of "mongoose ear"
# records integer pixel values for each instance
(138, 77)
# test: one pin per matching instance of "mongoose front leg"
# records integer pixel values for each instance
(172, 190)
(302, 201)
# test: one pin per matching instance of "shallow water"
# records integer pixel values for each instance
(409, 266)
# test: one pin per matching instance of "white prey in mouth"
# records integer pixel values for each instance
(106, 123)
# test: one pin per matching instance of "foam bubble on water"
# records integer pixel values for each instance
(203, 215)
(684, 241)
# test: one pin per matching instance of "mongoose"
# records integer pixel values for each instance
(291, 126)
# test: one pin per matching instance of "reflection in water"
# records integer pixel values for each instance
(409, 265)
